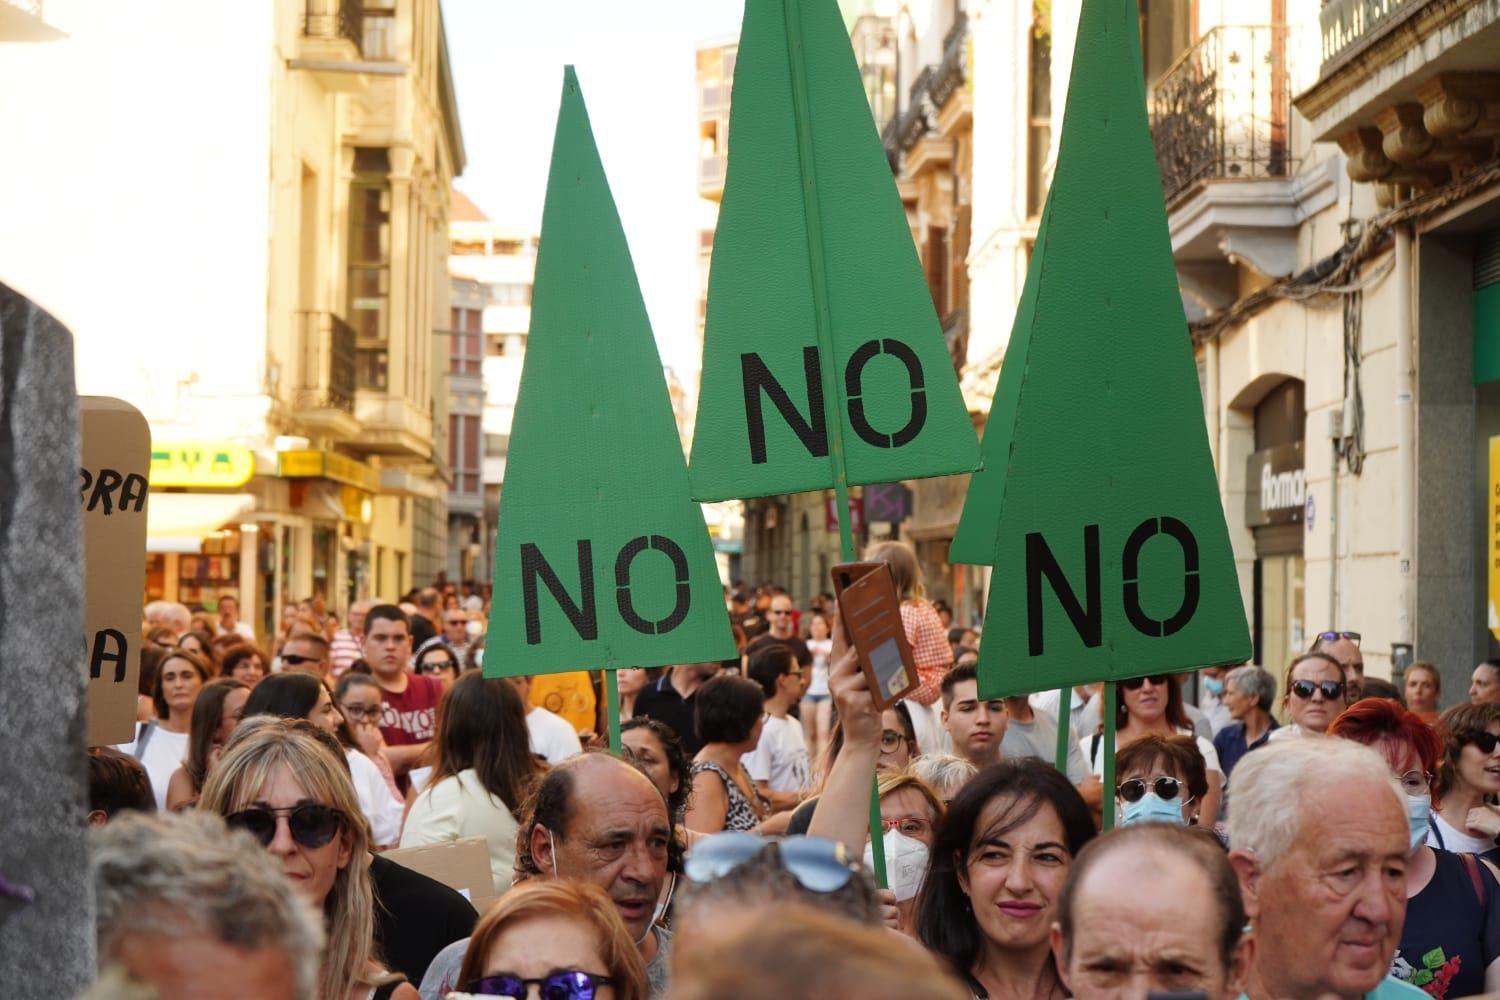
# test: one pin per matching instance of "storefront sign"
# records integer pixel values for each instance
(1275, 487)
(326, 465)
(856, 515)
(113, 492)
(201, 464)
(888, 502)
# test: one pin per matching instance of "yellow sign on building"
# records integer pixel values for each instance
(203, 464)
(327, 465)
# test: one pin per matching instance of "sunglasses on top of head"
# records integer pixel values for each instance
(312, 825)
(1332, 690)
(1335, 636)
(1135, 683)
(569, 984)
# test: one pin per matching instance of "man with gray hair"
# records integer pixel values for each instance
(169, 614)
(1319, 843)
(1249, 693)
(191, 910)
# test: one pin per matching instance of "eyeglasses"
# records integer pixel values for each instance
(570, 984)
(311, 825)
(357, 713)
(1134, 683)
(911, 826)
(1485, 741)
(818, 864)
(1332, 690)
(774, 612)
(433, 666)
(1336, 636)
(293, 660)
(890, 740)
(1165, 786)
(1420, 782)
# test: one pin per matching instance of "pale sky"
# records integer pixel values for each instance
(635, 62)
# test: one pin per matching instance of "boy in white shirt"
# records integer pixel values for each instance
(779, 763)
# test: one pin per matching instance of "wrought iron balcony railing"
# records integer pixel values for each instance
(334, 19)
(1222, 111)
(325, 363)
(1346, 24)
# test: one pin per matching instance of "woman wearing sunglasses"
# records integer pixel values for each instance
(1152, 706)
(1314, 695)
(1450, 941)
(217, 711)
(283, 782)
(1162, 779)
(562, 938)
(1468, 779)
(303, 696)
(999, 861)
(436, 658)
(484, 772)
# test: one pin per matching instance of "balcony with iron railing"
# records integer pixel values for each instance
(334, 19)
(1348, 25)
(1222, 111)
(323, 386)
(331, 46)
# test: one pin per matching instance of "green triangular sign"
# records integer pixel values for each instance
(820, 341)
(602, 559)
(1111, 552)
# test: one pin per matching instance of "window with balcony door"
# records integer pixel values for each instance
(380, 29)
(466, 342)
(370, 266)
(464, 439)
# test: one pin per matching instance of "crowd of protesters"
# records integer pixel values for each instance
(1317, 834)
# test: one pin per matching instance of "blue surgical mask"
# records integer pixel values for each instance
(1152, 808)
(1213, 685)
(1418, 819)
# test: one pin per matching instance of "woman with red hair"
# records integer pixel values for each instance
(1450, 943)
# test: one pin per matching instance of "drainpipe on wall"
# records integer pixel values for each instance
(1406, 432)
(1211, 407)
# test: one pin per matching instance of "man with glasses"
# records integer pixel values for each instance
(1484, 686)
(779, 762)
(977, 727)
(307, 654)
(783, 629)
(456, 628)
(1344, 647)
(409, 701)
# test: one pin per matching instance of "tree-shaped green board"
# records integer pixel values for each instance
(602, 559)
(1099, 508)
(823, 359)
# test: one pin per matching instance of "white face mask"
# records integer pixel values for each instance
(906, 861)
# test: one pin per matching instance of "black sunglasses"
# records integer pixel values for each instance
(1332, 690)
(1166, 787)
(311, 825)
(570, 984)
(818, 864)
(1134, 683)
(1485, 741)
(433, 666)
(293, 660)
(1336, 636)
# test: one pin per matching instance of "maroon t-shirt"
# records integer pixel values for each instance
(411, 716)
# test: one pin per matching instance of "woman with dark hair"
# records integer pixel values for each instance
(436, 658)
(655, 747)
(999, 860)
(484, 772)
(196, 641)
(244, 662)
(304, 696)
(162, 742)
(728, 716)
(1468, 779)
(215, 714)
(1161, 780)
(1152, 705)
(1451, 936)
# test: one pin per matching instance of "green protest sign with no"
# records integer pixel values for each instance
(601, 559)
(1105, 528)
(820, 335)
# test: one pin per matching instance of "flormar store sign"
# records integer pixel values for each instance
(1275, 487)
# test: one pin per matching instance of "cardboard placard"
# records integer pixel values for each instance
(113, 490)
(870, 614)
(1098, 506)
(602, 559)
(462, 864)
(823, 358)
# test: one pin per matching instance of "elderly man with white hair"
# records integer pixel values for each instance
(1319, 842)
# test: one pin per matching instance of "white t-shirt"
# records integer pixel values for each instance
(241, 629)
(551, 736)
(821, 649)
(162, 757)
(780, 758)
(1444, 835)
(381, 808)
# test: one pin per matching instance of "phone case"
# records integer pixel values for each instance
(871, 615)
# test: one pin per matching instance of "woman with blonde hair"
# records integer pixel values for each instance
(563, 936)
(287, 784)
(925, 633)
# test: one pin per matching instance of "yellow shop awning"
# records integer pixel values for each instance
(178, 522)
